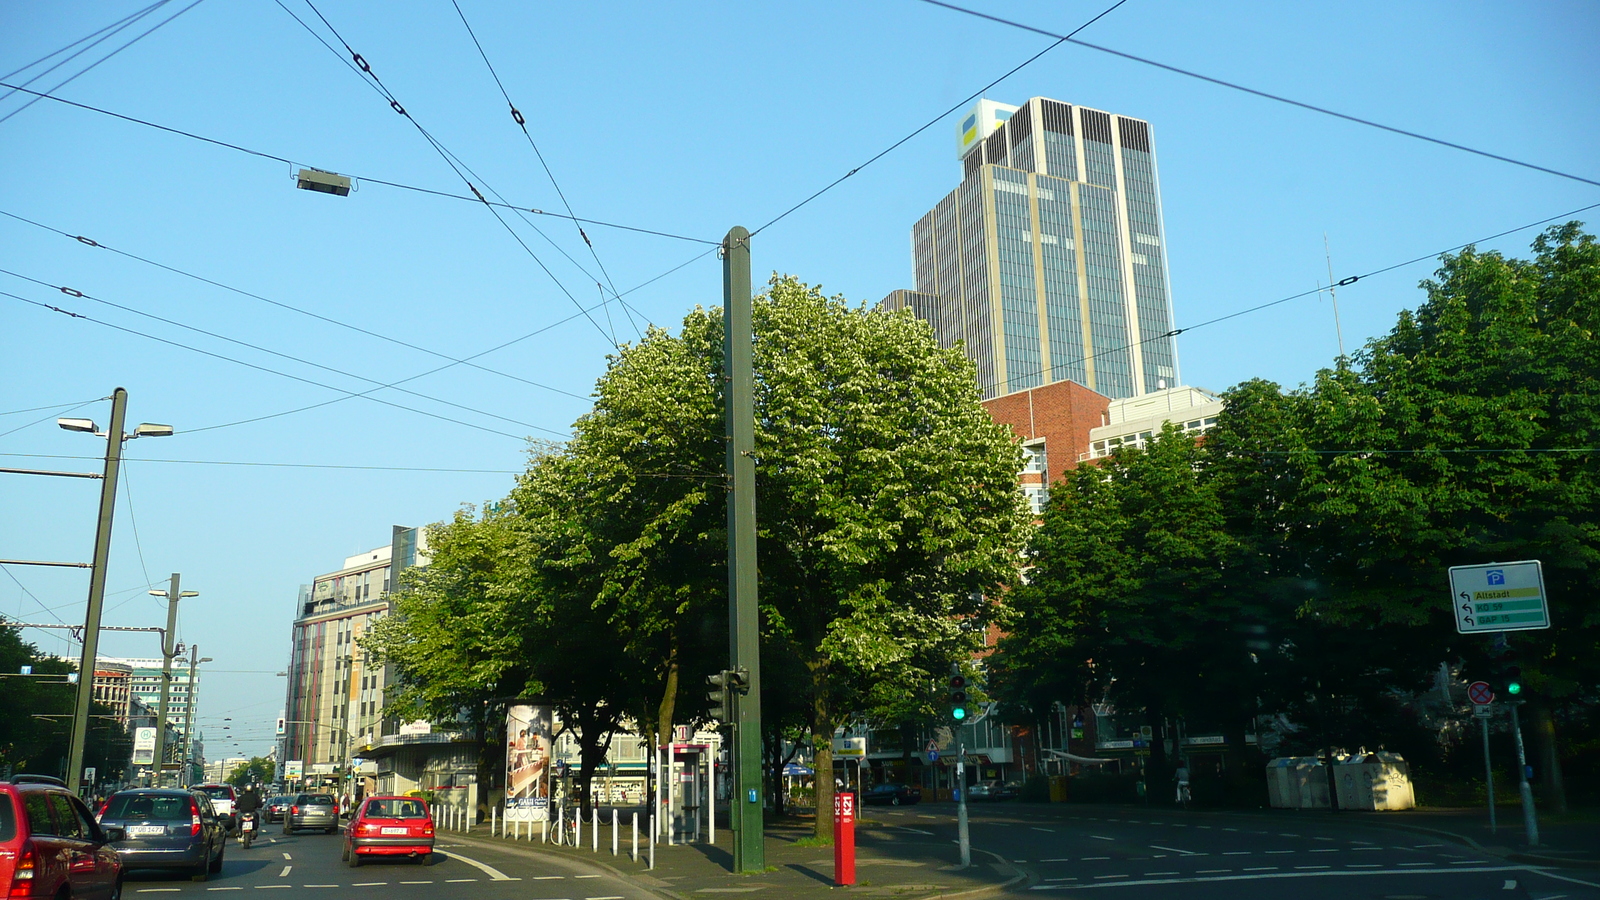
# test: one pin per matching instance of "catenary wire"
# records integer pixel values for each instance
(522, 122)
(366, 468)
(56, 406)
(114, 27)
(88, 242)
(30, 595)
(102, 59)
(74, 292)
(133, 523)
(1344, 282)
(362, 178)
(935, 120)
(1265, 95)
(53, 415)
(249, 365)
(363, 70)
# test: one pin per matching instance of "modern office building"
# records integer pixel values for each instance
(1048, 261)
(335, 699)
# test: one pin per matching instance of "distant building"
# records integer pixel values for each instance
(113, 687)
(1048, 262)
(335, 699)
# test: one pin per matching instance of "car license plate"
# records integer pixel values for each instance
(146, 830)
(393, 831)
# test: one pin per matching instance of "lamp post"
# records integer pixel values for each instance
(169, 649)
(97, 576)
(189, 760)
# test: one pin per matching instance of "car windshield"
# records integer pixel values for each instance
(217, 791)
(161, 807)
(315, 800)
(396, 809)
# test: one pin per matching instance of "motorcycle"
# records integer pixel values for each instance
(247, 828)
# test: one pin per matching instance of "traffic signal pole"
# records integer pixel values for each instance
(744, 635)
(1530, 817)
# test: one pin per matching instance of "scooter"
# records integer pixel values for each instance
(247, 828)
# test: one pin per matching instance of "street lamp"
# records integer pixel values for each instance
(189, 760)
(168, 651)
(97, 579)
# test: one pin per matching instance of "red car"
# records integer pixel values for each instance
(50, 846)
(389, 826)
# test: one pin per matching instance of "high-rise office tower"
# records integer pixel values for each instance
(1048, 260)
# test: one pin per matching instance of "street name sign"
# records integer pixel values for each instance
(1499, 597)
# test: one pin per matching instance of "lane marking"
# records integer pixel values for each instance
(1087, 858)
(1154, 874)
(321, 885)
(1261, 869)
(1236, 852)
(1277, 851)
(493, 873)
(1313, 867)
(616, 897)
(416, 882)
(1037, 828)
(287, 856)
(458, 880)
(547, 877)
(1326, 850)
(1112, 876)
(1363, 866)
(285, 871)
(912, 830)
(230, 888)
(1418, 864)
(1099, 838)
(1287, 834)
(1230, 829)
(1052, 859)
(1266, 876)
(1176, 850)
(1319, 838)
(269, 887)
(1211, 871)
(370, 884)
(586, 876)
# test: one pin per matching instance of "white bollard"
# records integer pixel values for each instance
(613, 831)
(577, 827)
(594, 829)
(544, 830)
(494, 818)
(635, 856)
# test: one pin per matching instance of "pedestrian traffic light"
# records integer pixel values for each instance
(720, 696)
(958, 697)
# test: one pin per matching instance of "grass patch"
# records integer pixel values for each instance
(814, 841)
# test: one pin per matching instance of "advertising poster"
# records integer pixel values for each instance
(144, 746)
(528, 746)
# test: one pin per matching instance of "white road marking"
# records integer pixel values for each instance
(1086, 858)
(1467, 862)
(493, 873)
(1363, 865)
(912, 830)
(1052, 859)
(1155, 874)
(547, 877)
(1326, 850)
(1417, 864)
(287, 856)
(1316, 838)
(616, 897)
(1176, 850)
(229, 888)
(1277, 851)
(1287, 834)
(1230, 829)
(586, 876)
(1313, 867)
(321, 885)
(1211, 871)
(1265, 876)
(1236, 853)
(370, 884)
(1262, 869)
(1037, 828)
(1113, 876)
(269, 887)
(1099, 838)
(458, 880)
(285, 871)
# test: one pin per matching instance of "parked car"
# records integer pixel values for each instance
(312, 811)
(389, 826)
(992, 790)
(222, 798)
(166, 828)
(50, 846)
(891, 795)
(275, 809)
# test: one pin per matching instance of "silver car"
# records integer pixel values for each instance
(312, 811)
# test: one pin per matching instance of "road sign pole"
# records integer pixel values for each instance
(1530, 817)
(1488, 775)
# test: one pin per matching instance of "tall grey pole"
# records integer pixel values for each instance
(168, 651)
(746, 818)
(961, 798)
(1488, 776)
(1530, 817)
(187, 773)
(97, 590)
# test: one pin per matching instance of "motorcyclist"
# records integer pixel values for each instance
(249, 801)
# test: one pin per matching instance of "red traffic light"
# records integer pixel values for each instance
(957, 682)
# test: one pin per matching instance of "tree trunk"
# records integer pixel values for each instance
(1544, 733)
(491, 762)
(822, 750)
(669, 698)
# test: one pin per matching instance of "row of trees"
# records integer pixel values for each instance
(36, 715)
(888, 510)
(1295, 560)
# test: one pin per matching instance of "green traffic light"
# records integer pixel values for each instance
(1514, 687)
(959, 713)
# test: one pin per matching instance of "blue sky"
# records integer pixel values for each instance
(680, 118)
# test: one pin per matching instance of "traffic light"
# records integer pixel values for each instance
(1513, 680)
(720, 696)
(958, 697)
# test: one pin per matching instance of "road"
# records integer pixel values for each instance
(1137, 854)
(306, 864)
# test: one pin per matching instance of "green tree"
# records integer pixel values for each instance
(259, 770)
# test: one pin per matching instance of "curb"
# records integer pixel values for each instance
(511, 847)
(1520, 856)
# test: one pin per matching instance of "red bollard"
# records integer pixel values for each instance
(844, 838)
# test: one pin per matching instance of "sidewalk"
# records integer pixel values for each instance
(889, 863)
(1572, 839)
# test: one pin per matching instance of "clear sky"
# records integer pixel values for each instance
(674, 117)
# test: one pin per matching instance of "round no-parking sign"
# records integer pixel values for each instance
(1478, 692)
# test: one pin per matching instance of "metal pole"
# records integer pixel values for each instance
(961, 798)
(188, 719)
(1488, 776)
(749, 854)
(97, 591)
(168, 651)
(1530, 817)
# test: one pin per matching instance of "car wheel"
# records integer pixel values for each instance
(216, 864)
(116, 890)
(287, 828)
(353, 860)
(330, 830)
(344, 852)
(425, 859)
(198, 873)
(894, 801)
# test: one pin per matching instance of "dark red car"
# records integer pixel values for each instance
(389, 826)
(50, 846)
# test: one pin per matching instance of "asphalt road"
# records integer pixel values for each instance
(306, 865)
(1167, 854)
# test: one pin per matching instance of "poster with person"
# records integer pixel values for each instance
(528, 745)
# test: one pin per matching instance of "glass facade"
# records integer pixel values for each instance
(1048, 261)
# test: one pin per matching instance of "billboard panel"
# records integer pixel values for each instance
(528, 746)
(144, 746)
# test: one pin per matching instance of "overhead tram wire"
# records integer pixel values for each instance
(102, 59)
(56, 406)
(89, 242)
(1266, 95)
(1343, 282)
(363, 70)
(361, 178)
(53, 415)
(936, 119)
(522, 122)
(74, 292)
(249, 365)
(710, 476)
(114, 27)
